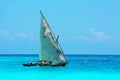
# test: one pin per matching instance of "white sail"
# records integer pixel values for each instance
(50, 48)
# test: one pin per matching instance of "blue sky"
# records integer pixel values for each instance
(84, 26)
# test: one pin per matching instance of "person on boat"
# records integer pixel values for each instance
(50, 62)
(44, 62)
(30, 63)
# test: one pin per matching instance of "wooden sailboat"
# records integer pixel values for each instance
(51, 53)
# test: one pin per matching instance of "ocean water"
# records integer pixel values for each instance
(79, 67)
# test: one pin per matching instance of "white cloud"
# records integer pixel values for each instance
(86, 39)
(82, 38)
(100, 35)
(22, 35)
(27, 36)
(5, 35)
(92, 37)
(118, 38)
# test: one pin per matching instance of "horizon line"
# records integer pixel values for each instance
(65, 54)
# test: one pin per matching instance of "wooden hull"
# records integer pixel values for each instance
(48, 64)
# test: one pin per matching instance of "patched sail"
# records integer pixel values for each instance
(50, 48)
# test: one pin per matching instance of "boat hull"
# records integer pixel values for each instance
(48, 64)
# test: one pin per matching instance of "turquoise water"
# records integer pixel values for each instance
(79, 67)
